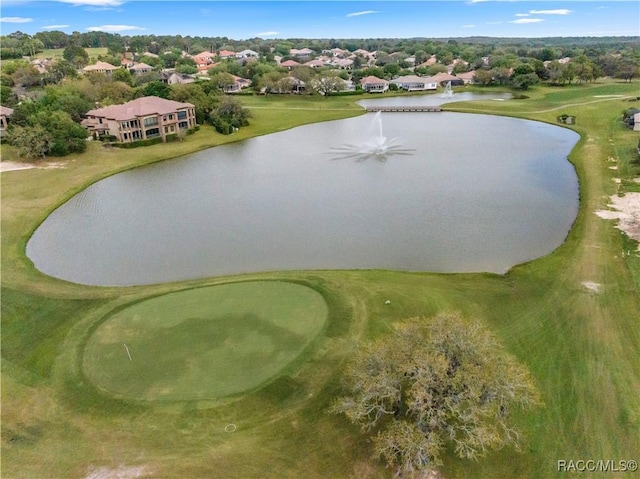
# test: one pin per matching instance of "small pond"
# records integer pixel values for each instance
(461, 193)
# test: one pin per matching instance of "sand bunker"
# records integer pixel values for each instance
(14, 165)
(121, 472)
(625, 209)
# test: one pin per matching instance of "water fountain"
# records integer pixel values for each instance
(379, 147)
(448, 92)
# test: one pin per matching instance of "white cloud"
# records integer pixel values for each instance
(365, 12)
(523, 14)
(54, 27)
(101, 9)
(266, 34)
(114, 28)
(94, 3)
(527, 20)
(561, 11)
(15, 20)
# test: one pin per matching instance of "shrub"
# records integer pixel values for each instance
(136, 144)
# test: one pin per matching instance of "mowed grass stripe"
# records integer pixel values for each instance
(204, 343)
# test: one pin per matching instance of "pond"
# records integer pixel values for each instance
(455, 193)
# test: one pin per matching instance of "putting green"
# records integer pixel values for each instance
(204, 343)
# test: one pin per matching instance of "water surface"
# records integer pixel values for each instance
(478, 193)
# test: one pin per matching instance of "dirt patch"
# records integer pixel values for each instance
(625, 209)
(14, 166)
(121, 472)
(591, 286)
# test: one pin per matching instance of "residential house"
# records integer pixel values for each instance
(343, 63)
(317, 63)
(290, 64)
(247, 54)
(238, 85)
(415, 83)
(5, 114)
(127, 62)
(372, 84)
(203, 59)
(100, 67)
(301, 53)
(456, 62)
(140, 68)
(336, 53)
(467, 77)
(171, 77)
(226, 54)
(364, 53)
(432, 60)
(444, 78)
(141, 119)
(150, 55)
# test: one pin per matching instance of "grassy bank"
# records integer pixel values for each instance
(580, 344)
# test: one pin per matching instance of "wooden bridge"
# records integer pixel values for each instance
(403, 108)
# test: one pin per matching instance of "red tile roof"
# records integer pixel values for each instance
(147, 105)
(372, 79)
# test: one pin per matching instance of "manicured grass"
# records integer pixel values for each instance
(581, 346)
(204, 343)
(57, 52)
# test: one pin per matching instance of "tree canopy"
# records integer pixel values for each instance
(434, 384)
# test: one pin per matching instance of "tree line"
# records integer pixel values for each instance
(66, 95)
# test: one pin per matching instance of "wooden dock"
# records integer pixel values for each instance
(403, 108)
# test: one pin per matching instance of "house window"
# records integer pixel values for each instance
(153, 132)
(183, 124)
(136, 135)
(151, 121)
(182, 115)
(171, 117)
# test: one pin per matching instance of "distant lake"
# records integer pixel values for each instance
(474, 193)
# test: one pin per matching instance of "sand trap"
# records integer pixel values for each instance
(14, 166)
(591, 286)
(121, 472)
(625, 209)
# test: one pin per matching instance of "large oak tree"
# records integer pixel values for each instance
(432, 384)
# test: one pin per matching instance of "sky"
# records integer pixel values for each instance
(241, 20)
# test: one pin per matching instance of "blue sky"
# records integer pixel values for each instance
(327, 19)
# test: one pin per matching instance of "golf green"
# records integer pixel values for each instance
(204, 343)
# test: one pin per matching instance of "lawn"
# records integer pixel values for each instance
(57, 53)
(203, 343)
(581, 344)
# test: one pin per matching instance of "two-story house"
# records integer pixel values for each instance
(141, 119)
